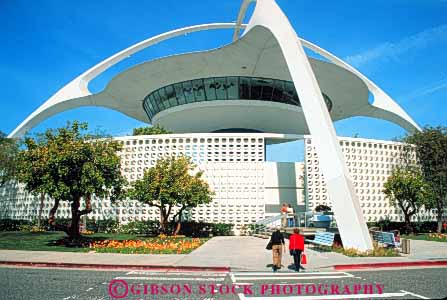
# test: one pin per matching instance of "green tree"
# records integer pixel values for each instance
(150, 130)
(8, 153)
(431, 149)
(170, 184)
(407, 190)
(322, 208)
(69, 165)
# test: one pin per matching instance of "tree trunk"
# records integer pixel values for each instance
(39, 218)
(73, 232)
(52, 218)
(163, 222)
(177, 228)
(76, 216)
(439, 217)
(53, 210)
(179, 221)
(408, 224)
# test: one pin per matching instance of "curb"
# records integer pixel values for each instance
(427, 263)
(115, 267)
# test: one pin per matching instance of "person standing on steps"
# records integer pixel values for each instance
(278, 245)
(284, 215)
(290, 216)
(296, 247)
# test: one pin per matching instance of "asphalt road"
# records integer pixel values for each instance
(27, 283)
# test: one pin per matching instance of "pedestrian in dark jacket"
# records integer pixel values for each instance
(278, 245)
(296, 247)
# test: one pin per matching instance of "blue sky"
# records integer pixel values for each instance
(400, 44)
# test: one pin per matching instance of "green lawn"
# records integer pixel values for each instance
(45, 241)
(48, 241)
(434, 237)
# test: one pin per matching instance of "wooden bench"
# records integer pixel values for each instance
(323, 238)
(385, 238)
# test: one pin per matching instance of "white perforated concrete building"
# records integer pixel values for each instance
(370, 163)
(263, 81)
(247, 188)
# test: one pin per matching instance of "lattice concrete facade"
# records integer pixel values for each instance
(234, 166)
(247, 188)
(370, 163)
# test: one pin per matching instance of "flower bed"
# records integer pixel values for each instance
(433, 237)
(438, 237)
(160, 245)
(377, 251)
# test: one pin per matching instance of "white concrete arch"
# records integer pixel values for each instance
(351, 224)
(383, 106)
(268, 15)
(75, 93)
(240, 18)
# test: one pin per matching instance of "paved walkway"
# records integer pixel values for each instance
(427, 250)
(238, 253)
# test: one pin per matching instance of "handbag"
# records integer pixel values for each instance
(303, 259)
(269, 245)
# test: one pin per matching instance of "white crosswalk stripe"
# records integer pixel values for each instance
(323, 297)
(307, 278)
(176, 273)
(173, 276)
(259, 276)
(159, 278)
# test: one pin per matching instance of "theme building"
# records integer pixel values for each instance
(247, 187)
(263, 81)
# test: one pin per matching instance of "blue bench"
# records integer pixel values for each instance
(385, 238)
(323, 238)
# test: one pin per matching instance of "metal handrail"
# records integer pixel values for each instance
(269, 220)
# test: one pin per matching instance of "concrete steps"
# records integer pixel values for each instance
(266, 233)
(305, 231)
(262, 235)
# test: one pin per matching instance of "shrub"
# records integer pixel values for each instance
(106, 226)
(221, 229)
(13, 225)
(249, 229)
(385, 224)
(24, 227)
(37, 229)
(149, 227)
(203, 229)
(195, 229)
(87, 232)
(255, 228)
(439, 237)
(61, 222)
(423, 227)
(377, 251)
(323, 208)
(419, 227)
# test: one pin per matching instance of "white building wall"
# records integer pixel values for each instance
(370, 163)
(233, 165)
(247, 188)
(284, 183)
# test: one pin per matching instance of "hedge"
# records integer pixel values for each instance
(419, 227)
(190, 229)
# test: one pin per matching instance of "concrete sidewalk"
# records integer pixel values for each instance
(237, 253)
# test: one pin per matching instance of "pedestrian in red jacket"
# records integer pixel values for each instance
(296, 247)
